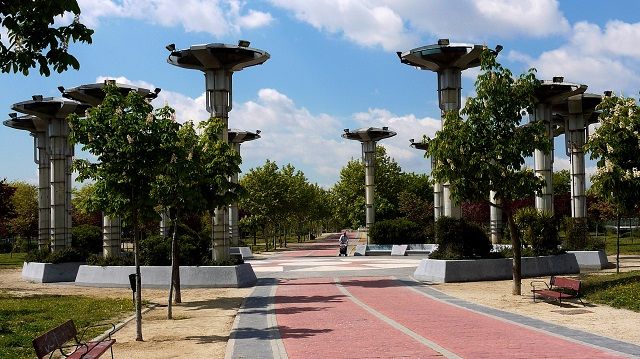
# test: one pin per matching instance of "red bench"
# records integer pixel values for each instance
(558, 288)
(57, 338)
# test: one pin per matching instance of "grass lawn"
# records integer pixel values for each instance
(616, 290)
(24, 318)
(628, 245)
(8, 260)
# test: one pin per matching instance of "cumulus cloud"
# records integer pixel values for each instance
(395, 25)
(218, 17)
(602, 58)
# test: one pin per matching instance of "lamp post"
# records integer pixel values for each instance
(52, 142)
(549, 93)
(93, 95)
(448, 61)
(236, 138)
(218, 62)
(369, 137)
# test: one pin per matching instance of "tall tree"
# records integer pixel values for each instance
(7, 209)
(615, 144)
(25, 203)
(33, 41)
(132, 144)
(487, 151)
(561, 182)
(349, 201)
(195, 179)
(84, 211)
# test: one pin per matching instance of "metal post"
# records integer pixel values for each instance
(44, 190)
(369, 155)
(576, 127)
(544, 162)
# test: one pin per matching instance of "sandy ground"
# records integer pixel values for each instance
(202, 323)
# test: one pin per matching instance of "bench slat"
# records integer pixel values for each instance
(96, 349)
(54, 339)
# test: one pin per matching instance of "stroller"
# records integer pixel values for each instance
(344, 241)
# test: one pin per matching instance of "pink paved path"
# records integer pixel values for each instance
(317, 320)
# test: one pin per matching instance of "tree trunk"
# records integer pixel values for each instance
(136, 241)
(517, 254)
(618, 243)
(174, 282)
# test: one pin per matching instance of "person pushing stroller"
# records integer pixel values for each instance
(344, 242)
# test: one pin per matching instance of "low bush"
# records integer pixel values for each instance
(125, 260)
(397, 231)
(63, 256)
(87, 238)
(539, 230)
(459, 239)
(576, 234)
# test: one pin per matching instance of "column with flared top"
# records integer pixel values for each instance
(218, 62)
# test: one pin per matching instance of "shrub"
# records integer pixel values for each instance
(539, 230)
(22, 245)
(397, 231)
(125, 260)
(63, 256)
(87, 238)
(458, 239)
(576, 234)
(155, 250)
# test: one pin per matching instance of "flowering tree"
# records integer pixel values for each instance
(615, 144)
(132, 143)
(486, 152)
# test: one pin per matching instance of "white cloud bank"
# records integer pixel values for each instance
(216, 17)
(603, 58)
(399, 24)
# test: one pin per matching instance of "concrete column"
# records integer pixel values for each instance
(111, 236)
(164, 224)
(544, 162)
(68, 188)
(449, 96)
(234, 234)
(576, 125)
(495, 224)
(61, 234)
(44, 189)
(218, 97)
(369, 155)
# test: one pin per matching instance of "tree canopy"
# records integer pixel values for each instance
(487, 150)
(33, 41)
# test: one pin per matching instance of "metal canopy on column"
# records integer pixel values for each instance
(54, 112)
(368, 137)
(448, 61)
(218, 62)
(236, 138)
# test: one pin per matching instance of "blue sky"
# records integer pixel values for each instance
(333, 66)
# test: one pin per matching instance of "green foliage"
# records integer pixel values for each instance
(576, 234)
(615, 144)
(23, 318)
(538, 230)
(64, 256)
(24, 245)
(348, 194)
(616, 290)
(87, 238)
(25, 204)
(98, 260)
(193, 249)
(155, 250)
(83, 206)
(458, 239)
(561, 182)
(33, 42)
(7, 209)
(397, 231)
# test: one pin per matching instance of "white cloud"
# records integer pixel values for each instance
(397, 25)
(218, 17)
(603, 59)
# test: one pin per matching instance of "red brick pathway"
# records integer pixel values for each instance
(318, 320)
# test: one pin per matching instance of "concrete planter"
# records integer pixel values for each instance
(591, 259)
(158, 276)
(446, 271)
(49, 272)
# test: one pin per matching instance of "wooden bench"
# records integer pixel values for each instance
(558, 288)
(65, 338)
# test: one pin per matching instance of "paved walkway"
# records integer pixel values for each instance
(309, 307)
